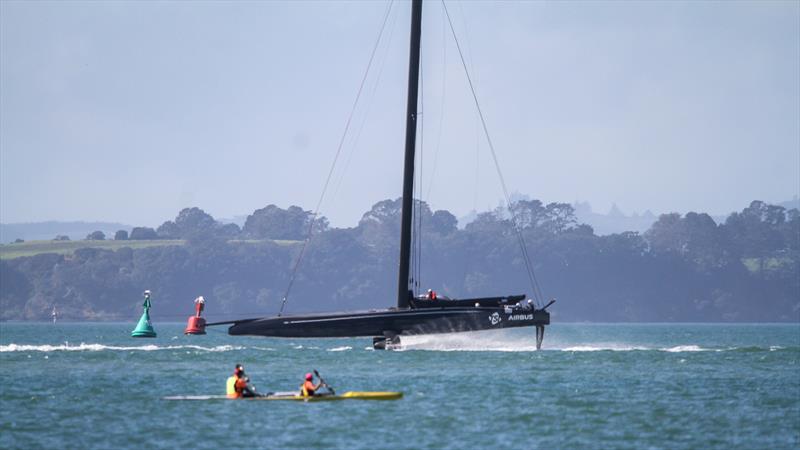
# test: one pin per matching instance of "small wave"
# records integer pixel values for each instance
(624, 348)
(591, 348)
(686, 348)
(676, 349)
(100, 347)
(697, 348)
(340, 349)
(304, 347)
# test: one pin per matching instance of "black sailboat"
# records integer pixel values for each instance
(412, 315)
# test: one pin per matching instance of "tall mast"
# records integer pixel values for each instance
(411, 139)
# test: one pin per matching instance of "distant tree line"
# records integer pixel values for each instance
(684, 268)
(270, 222)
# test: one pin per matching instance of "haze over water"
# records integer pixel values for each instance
(684, 386)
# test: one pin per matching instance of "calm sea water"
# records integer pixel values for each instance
(593, 386)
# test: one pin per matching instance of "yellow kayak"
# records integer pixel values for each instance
(351, 395)
(293, 396)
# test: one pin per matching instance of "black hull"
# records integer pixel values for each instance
(389, 322)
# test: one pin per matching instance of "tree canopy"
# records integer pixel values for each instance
(272, 222)
(684, 268)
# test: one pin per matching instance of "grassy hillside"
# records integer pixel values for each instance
(31, 248)
(48, 230)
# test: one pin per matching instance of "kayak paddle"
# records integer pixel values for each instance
(322, 380)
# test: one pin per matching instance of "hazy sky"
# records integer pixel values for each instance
(129, 111)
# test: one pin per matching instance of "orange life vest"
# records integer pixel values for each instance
(235, 386)
(307, 389)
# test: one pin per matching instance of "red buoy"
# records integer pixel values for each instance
(196, 324)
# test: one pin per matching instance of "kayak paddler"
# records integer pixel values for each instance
(237, 385)
(308, 388)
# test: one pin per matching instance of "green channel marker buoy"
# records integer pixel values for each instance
(144, 328)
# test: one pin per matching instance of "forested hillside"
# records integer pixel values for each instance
(684, 268)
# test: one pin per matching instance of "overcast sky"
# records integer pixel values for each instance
(130, 111)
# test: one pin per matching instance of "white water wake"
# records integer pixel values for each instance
(504, 341)
(340, 349)
(470, 341)
(66, 347)
(431, 343)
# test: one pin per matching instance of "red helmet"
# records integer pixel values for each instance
(309, 377)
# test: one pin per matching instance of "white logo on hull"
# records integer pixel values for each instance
(521, 317)
(495, 318)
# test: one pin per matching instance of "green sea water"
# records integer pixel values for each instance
(603, 386)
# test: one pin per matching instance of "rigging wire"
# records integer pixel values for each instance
(354, 142)
(427, 194)
(521, 239)
(477, 168)
(416, 208)
(333, 165)
(441, 110)
(474, 72)
(421, 118)
(471, 63)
